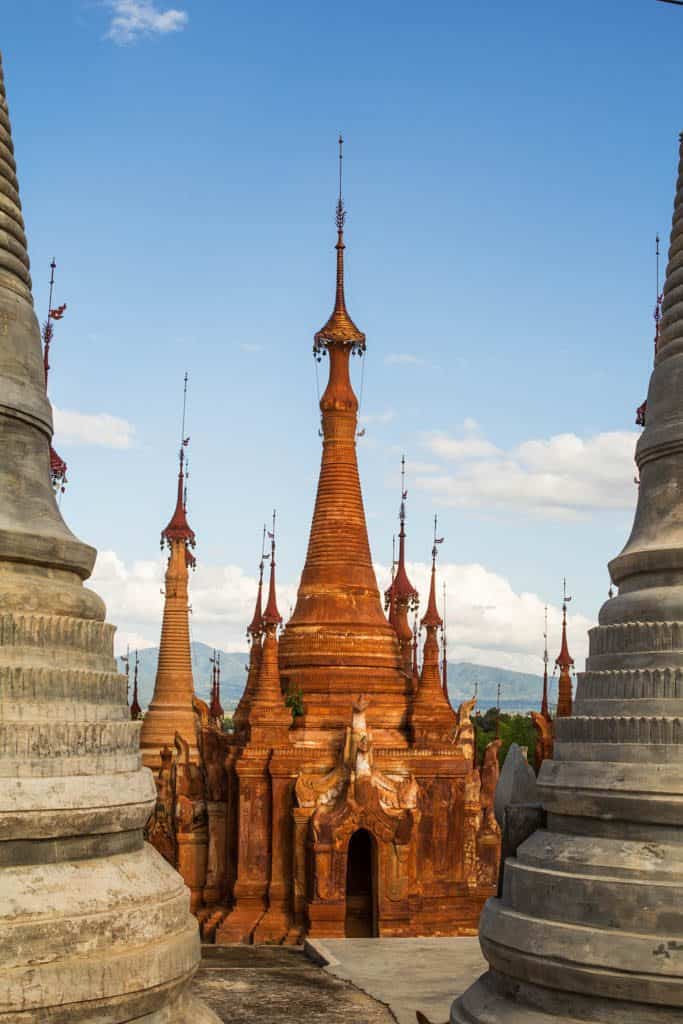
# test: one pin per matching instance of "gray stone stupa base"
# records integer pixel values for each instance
(495, 999)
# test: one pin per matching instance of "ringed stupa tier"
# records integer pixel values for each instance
(171, 709)
(94, 925)
(590, 923)
(338, 641)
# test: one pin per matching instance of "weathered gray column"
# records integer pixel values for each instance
(94, 925)
(590, 926)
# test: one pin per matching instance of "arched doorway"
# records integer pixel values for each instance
(361, 887)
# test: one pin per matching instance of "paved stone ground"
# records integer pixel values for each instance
(406, 974)
(279, 985)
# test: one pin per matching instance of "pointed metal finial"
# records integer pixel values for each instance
(271, 534)
(545, 639)
(404, 494)
(659, 297)
(565, 597)
(183, 439)
(341, 212)
(437, 541)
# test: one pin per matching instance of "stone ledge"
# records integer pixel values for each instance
(631, 684)
(37, 740)
(26, 683)
(665, 730)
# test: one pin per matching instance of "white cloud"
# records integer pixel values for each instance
(460, 448)
(564, 475)
(92, 428)
(402, 359)
(132, 19)
(489, 623)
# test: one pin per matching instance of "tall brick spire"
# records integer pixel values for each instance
(338, 637)
(171, 709)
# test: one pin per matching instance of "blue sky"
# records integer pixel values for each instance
(507, 167)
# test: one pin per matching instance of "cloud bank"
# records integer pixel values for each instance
(563, 475)
(488, 622)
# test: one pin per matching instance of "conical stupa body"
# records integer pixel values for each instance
(338, 642)
(590, 924)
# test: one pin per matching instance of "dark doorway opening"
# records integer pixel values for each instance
(361, 896)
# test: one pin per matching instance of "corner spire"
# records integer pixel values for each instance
(135, 709)
(565, 663)
(216, 708)
(431, 618)
(255, 627)
(401, 596)
(178, 528)
(271, 616)
(340, 328)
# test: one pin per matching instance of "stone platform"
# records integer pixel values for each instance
(404, 974)
(279, 985)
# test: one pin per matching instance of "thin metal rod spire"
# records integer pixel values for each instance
(341, 213)
(657, 258)
(53, 264)
(545, 639)
(183, 440)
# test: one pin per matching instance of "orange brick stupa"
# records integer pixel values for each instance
(346, 799)
(355, 803)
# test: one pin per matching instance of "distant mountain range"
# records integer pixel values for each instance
(520, 691)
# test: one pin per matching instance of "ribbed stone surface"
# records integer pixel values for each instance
(590, 923)
(94, 924)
